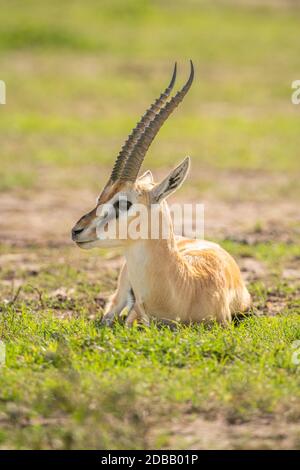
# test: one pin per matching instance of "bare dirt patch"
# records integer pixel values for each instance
(199, 433)
(45, 217)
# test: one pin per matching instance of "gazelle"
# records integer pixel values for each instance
(173, 279)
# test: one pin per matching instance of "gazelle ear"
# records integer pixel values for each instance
(172, 182)
(146, 177)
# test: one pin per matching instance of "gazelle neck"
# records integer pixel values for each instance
(154, 266)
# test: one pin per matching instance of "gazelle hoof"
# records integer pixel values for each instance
(107, 320)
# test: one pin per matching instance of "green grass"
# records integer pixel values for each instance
(243, 371)
(65, 374)
(272, 253)
(77, 373)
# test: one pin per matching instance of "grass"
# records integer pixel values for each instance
(64, 376)
(65, 373)
(78, 75)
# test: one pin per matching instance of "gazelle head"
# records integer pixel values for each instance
(124, 191)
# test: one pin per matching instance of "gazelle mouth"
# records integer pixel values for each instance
(85, 241)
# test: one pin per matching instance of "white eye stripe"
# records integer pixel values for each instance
(120, 202)
(121, 198)
(104, 210)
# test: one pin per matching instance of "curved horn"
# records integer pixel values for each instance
(140, 127)
(135, 160)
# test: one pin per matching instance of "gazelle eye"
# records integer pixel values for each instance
(122, 205)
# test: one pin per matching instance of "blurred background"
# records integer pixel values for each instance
(80, 74)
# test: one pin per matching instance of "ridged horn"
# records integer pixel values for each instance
(135, 160)
(140, 127)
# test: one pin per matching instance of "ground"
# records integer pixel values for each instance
(76, 83)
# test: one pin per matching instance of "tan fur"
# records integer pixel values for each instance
(177, 279)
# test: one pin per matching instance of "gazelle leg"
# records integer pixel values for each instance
(131, 318)
(136, 314)
(119, 298)
(143, 315)
(133, 315)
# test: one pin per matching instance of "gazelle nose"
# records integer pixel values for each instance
(75, 232)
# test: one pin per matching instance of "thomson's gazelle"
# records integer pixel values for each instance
(166, 278)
